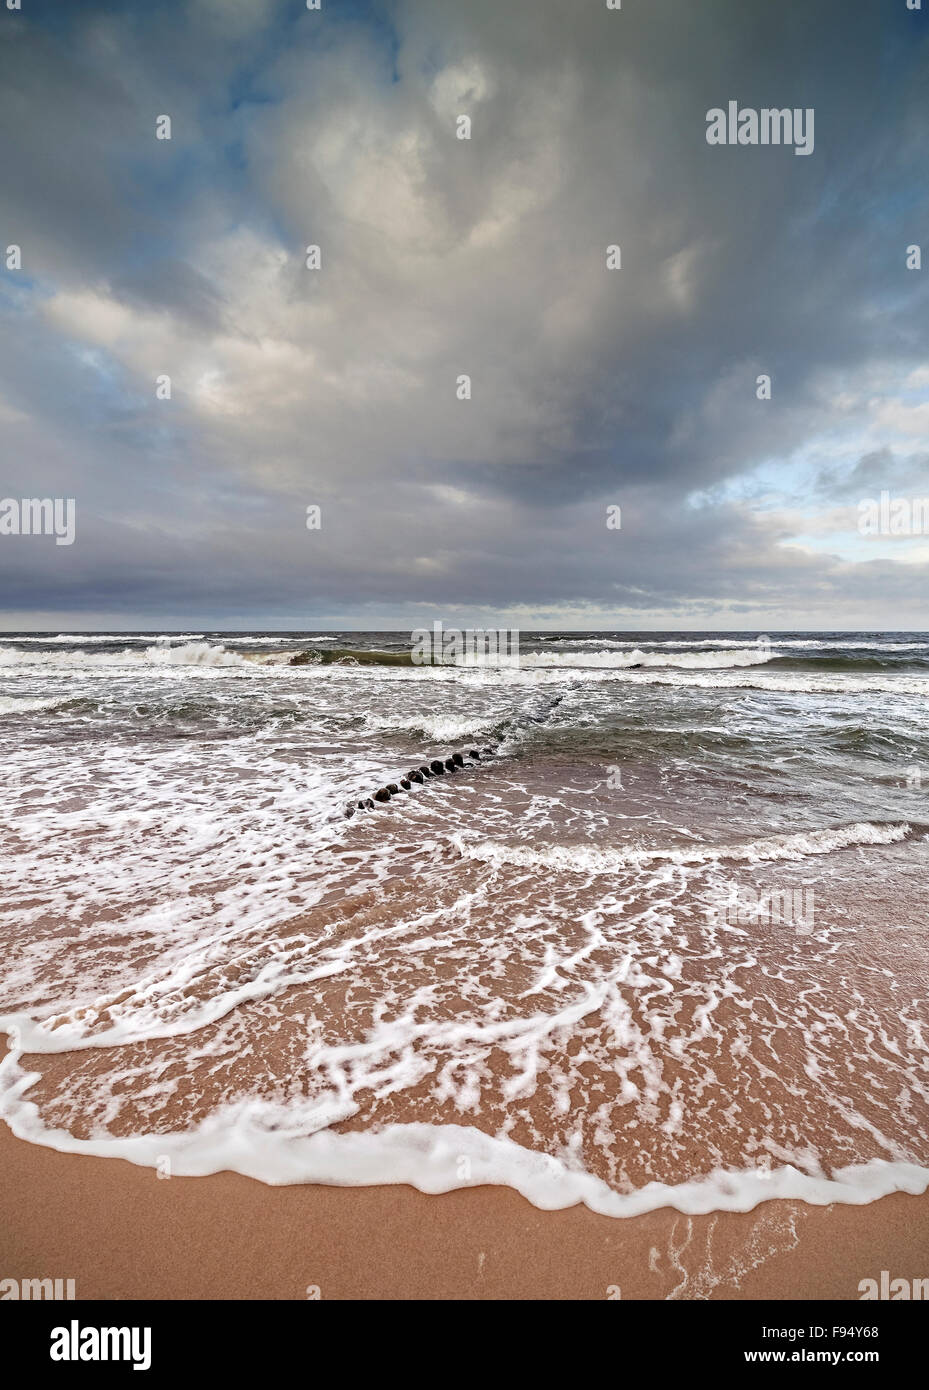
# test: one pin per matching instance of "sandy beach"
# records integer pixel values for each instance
(122, 1233)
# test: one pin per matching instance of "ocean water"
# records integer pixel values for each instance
(665, 941)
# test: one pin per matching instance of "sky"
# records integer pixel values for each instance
(591, 388)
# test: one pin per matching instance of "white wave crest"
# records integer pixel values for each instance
(191, 654)
(13, 704)
(623, 660)
(585, 859)
(443, 728)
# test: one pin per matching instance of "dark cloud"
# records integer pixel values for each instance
(444, 257)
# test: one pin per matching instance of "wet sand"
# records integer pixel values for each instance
(120, 1231)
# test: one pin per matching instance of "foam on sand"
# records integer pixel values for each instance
(440, 1158)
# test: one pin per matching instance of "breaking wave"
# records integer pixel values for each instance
(586, 859)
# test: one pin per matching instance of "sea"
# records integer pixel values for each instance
(659, 936)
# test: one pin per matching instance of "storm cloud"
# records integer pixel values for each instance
(442, 257)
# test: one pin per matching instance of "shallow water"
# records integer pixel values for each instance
(668, 942)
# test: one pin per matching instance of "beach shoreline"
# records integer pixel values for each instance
(646, 942)
(121, 1232)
